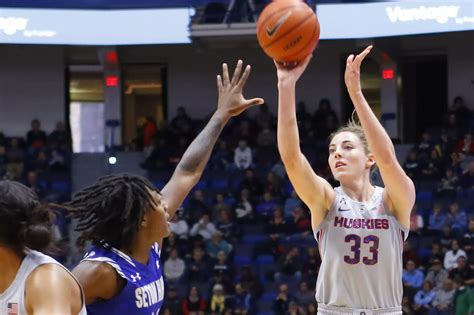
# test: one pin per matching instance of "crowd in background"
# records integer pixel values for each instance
(242, 242)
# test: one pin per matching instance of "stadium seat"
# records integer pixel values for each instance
(424, 199)
(242, 260)
(253, 239)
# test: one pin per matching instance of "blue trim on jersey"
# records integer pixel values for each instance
(143, 293)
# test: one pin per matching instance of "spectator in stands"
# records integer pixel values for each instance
(217, 302)
(182, 124)
(412, 165)
(276, 229)
(436, 254)
(172, 303)
(243, 302)
(463, 271)
(230, 231)
(197, 268)
(432, 166)
(468, 238)
(273, 185)
(194, 304)
(219, 205)
(452, 255)
(443, 302)
(204, 227)
(39, 163)
(304, 296)
(222, 158)
(312, 309)
(461, 112)
(407, 305)
(179, 226)
(410, 254)
(174, 267)
(266, 139)
(33, 183)
(456, 218)
(266, 206)
(445, 146)
(466, 180)
(35, 138)
(416, 226)
(243, 157)
(217, 244)
(323, 113)
(252, 184)
(424, 298)
(3, 161)
(282, 301)
(412, 278)
(149, 132)
(197, 206)
(436, 275)
(264, 117)
(250, 282)
(300, 226)
(60, 137)
(16, 160)
(244, 207)
(290, 204)
(222, 271)
(295, 309)
(452, 127)
(425, 146)
(302, 113)
(437, 219)
(448, 185)
(311, 264)
(289, 266)
(447, 236)
(245, 130)
(463, 298)
(465, 145)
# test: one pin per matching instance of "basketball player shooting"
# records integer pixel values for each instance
(360, 228)
(126, 218)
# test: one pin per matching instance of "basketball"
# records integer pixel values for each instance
(288, 30)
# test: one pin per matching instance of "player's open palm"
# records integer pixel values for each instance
(231, 99)
(352, 74)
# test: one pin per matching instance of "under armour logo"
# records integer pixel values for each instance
(136, 277)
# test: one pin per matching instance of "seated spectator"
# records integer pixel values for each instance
(194, 304)
(407, 306)
(425, 146)
(416, 226)
(35, 138)
(466, 181)
(222, 157)
(289, 266)
(448, 185)
(436, 254)
(266, 206)
(437, 219)
(443, 302)
(432, 166)
(456, 218)
(182, 124)
(217, 244)
(16, 160)
(243, 157)
(179, 226)
(295, 309)
(465, 145)
(273, 185)
(462, 298)
(217, 302)
(60, 137)
(410, 254)
(243, 302)
(252, 184)
(172, 303)
(468, 238)
(222, 271)
(462, 271)
(447, 236)
(174, 267)
(250, 282)
(412, 165)
(204, 228)
(282, 301)
(196, 207)
(219, 205)
(244, 207)
(230, 231)
(197, 268)
(312, 309)
(266, 139)
(424, 298)
(324, 112)
(39, 163)
(304, 296)
(445, 146)
(290, 204)
(264, 117)
(452, 255)
(436, 275)
(33, 183)
(300, 226)
(412, 278)
(311, 265)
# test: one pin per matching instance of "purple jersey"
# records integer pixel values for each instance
(143, 293)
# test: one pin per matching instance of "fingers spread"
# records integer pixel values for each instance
(244, 77)
(238, 70)
(225, 74)
(219, 83)
(349, 60)
(254, 101)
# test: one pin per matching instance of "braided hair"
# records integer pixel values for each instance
(24, 221)
(112, 209)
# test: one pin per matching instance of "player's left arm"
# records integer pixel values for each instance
(50, 289)
(399, 188)
(231, 102)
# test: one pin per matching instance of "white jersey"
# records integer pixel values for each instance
(361, 248)
(12, 300)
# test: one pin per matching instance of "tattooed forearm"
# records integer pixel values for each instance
(199, 151)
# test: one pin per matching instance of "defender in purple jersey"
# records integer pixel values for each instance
(360, 228)
(126, 218)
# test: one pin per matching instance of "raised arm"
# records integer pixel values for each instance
(399, 188)
(231, 103)
(314, 190)
(50, 289)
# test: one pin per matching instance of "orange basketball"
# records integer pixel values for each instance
(288, 30)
